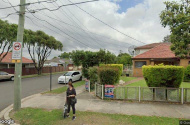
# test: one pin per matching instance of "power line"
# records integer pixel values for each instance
(82, 25)
(60, 30)
(107, 24)
(26, 4)
(77, 25)
(7, 15)
(58, 17)
(11, 5)
(63, 6)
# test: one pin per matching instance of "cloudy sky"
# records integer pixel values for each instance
(77, 30)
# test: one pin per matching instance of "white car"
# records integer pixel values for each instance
(70, 76)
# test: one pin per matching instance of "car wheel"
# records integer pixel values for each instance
(12, 78)
(80, 78)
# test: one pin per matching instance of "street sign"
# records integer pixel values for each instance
(16, 54)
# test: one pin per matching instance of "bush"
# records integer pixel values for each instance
(93, 75)
(163, 76)
(187, 73)
(119, 66)
(108, 76)
(85, 73)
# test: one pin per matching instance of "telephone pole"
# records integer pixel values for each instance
(18, 65)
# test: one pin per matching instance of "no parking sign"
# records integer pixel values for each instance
(16, 54)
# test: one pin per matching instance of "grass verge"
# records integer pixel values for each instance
(64, 89)
(34, 116)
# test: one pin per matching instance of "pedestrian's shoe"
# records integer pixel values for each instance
(74, 117)
(67, 116)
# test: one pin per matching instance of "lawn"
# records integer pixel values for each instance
(142, 83)
(34, 116)
(64, 89)
(127, 79)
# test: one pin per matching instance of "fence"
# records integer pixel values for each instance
(31, 71)
(157, 94)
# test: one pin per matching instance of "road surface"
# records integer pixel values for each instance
(30, 86)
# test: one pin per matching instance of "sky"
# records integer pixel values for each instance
(132, 22)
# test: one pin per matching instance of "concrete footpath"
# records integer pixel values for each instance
(88, 102)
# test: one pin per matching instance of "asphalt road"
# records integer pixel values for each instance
(30, 86)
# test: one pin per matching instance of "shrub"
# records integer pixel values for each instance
(187, 73)
(93, 75)
(108, 76)
(85, 73)
(163, 76)
(119, 66)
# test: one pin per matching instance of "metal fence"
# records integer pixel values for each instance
(99, 90)
(158, 94)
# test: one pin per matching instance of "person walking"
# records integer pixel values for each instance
(71, 99)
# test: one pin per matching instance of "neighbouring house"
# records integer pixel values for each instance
(155, 53)
(58, 62)
(7, 62)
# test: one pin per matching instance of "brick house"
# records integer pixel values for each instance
(7, 62)
(155, 53)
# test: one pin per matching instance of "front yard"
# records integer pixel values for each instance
(34, 116)
(142, 83)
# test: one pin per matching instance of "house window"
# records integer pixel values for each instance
(139, 64)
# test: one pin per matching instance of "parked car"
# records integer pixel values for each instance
(70, 76)
(6, 76)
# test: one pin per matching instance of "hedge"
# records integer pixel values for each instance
(119, 66)
(187, 73)
(163, 76)
(93, 75)
(108, 76)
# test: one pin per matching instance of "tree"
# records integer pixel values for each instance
(176, 16)
(40, 46)
(77, 57)
(125, 60)
(167, 39)
(65, 55)
(8, 34)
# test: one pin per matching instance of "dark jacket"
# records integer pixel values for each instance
(70, 92)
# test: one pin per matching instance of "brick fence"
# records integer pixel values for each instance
(31, 71)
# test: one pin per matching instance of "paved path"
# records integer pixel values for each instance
(87, 102)
(30, 86)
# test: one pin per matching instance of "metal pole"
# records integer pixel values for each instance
(50, 78)
(18, 66)
(89, 85)
(102, 91)
(182, 95)
(95, 89)
(139, 93)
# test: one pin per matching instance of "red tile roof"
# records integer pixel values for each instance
(150, 46)
(158, 52)
(8, 59)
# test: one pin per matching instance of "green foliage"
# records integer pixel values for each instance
(124, 59)
(78, 57)
(176, 17)
(108, 75)
(8, 34)
(65, 55)
(93, 75)
(118, 66)
(40, 45)
(163, 76)
(85, 72)
(187, 73)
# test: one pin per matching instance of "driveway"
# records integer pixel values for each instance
(30, 86)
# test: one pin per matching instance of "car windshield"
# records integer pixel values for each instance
(68, 74)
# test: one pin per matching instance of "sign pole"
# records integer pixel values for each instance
(50, 78)
(18, 65)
